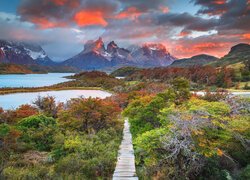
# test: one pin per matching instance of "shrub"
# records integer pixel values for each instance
(89, 115)
(38, 130)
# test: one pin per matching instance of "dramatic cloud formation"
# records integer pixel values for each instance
(210, 26)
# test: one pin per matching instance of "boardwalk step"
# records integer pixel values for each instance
(125, 166)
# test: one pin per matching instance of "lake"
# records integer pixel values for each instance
(10, 101)
(32, 80)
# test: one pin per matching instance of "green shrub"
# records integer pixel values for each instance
(38, 131)
(36, 121)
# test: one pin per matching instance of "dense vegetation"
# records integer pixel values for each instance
(76, 140)
(200, 77)
(176, 135)
(94, 79)
(124, 71)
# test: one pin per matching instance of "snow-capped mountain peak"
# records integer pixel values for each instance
(23, 53)
(95, 56)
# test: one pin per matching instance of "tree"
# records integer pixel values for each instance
(38, 130)
(8, 143)
(182, 89)
(89, 115)
(47, 105)
(25, 110)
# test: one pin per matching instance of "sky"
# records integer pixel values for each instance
(185, 27)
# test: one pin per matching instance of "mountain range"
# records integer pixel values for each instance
(96, 56)
(23, 53)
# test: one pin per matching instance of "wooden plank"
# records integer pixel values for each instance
(125, 166)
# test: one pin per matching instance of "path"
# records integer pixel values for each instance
(125, 166)
(239, 93)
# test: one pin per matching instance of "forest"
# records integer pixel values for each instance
(176, 134)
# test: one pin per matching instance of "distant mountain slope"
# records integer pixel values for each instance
(199, 60)
(14, 69)
(238, 54)
(28, 56)
(152, 55)
(96, 57)
(23, 53)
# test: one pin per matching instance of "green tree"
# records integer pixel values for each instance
(181, 87)
(38, 131)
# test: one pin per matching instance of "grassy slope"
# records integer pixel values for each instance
(238, 54)
(14, 69)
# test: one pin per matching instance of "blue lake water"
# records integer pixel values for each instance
(11, 101)
(32, 80)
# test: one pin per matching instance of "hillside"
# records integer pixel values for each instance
(6, 68)
(199, 60)
(14, 69)
(124, 71)
(238, 54)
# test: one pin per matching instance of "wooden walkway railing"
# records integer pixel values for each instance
(125, 166)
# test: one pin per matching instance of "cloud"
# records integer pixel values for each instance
(187, 21)
(62, 26)
(131, 12)
(87, 18)
(48, 13)
(61, 13)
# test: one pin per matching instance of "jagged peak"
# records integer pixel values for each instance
(113, 44)
(94, 46)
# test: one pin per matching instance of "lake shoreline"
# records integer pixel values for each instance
(4, 91)
(13, 101)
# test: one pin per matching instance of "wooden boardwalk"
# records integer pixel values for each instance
(125, 166)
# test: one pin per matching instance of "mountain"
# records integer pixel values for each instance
(95, 56)
(199, 60)
(152, 55)
(23, 53)
(118, 53)
(238, 54)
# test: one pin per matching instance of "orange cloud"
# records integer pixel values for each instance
(131, 12)
(88, 18)
(164, 9)
(44, 23)
(184, 33)
(220, 2)
(187, 50)
(246, 36)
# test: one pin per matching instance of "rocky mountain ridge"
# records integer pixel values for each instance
(23, 53)
(96, 56)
